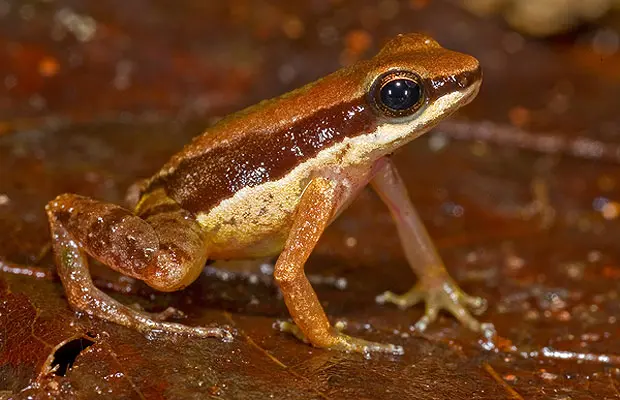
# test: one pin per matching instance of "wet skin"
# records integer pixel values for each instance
(268, 180)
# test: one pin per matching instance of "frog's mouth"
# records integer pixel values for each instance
(442, 107)
(471, 93)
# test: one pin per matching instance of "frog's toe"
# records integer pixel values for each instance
(225, 333)
(168, 313)
(477, 305)
(445, 296)
(433, 306)
(289, 327)
(343, 342)
(404, 301)
(352, 344)
(151, 328)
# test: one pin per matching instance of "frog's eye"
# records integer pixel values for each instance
(397, 93)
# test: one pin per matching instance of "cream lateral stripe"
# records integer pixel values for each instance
(250, 201)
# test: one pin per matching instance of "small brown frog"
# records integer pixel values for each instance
(268, 180)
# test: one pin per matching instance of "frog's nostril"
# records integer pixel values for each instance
(468, 78)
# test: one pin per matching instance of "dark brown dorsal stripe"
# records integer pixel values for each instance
(202, 182)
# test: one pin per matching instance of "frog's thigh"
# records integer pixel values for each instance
(131, 246)
(164, 250)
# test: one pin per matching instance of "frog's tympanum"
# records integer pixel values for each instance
(268, 180)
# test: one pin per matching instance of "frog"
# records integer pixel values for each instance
(267, 181)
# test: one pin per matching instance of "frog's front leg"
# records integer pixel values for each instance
(316, 208)
(166, 250)
(435, 286)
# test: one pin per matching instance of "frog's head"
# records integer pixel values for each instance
(413, 83)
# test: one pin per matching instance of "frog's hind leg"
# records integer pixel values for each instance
(166, 250)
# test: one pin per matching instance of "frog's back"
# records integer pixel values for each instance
(263, 143)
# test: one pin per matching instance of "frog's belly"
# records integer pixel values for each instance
(255, 222)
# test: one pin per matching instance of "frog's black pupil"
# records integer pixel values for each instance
(400, 94)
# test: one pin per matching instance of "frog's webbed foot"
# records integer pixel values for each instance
(343, 342)
(440, 295)
(149, 326)
(150, 322)
(99, 304)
